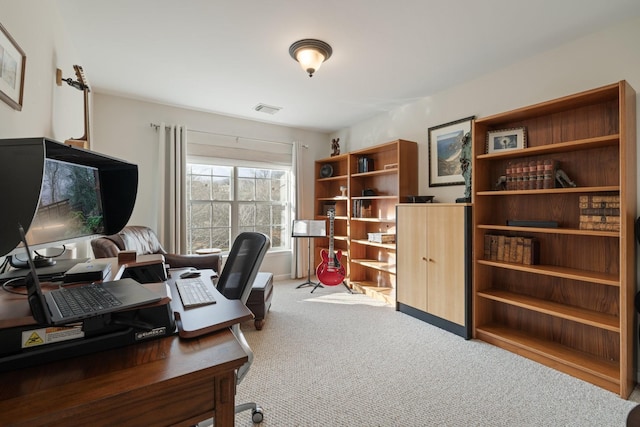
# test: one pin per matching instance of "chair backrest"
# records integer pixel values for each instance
(242, 265)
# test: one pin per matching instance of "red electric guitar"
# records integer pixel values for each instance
(330, 272)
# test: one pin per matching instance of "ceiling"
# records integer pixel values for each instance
(227, 56)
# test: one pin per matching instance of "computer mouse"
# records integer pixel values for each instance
(189, 274)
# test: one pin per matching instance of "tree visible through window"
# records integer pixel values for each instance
(223, 201)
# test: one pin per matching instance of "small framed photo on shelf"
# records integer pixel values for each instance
(506, 140)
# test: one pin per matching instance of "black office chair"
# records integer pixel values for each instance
(235, 282)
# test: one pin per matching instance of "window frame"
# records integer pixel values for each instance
(235, 204)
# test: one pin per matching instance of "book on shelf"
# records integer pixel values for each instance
(530, 251)
(600, 201)
(600, 226)
(507, 249)
(494, 248)
(513, 249)
(549, 176)
(600, 211)
(500, 250)
(603, 219)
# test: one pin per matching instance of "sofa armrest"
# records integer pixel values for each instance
(200, 262)
(104, 247)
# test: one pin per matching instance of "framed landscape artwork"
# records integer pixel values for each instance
(445, 150)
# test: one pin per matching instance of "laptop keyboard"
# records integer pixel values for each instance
(193, 292)
(85, 299)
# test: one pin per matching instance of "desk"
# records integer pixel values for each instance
(166, 381)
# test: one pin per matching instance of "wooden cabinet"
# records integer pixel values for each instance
(573, 309)
(434, 264)
(377, 178)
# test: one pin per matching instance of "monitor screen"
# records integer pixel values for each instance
(70, 204)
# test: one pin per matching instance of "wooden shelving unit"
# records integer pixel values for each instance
(572, 311)
(391, 176)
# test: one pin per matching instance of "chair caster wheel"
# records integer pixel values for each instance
(257, 415)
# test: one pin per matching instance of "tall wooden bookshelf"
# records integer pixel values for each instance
(572, 311)
(390, 175)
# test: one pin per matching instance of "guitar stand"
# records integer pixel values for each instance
(320, 285)
(309, 282)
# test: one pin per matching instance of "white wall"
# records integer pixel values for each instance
(597, 60)
(48, 110)
(122, 128)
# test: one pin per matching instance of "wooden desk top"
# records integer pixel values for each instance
(158, 382)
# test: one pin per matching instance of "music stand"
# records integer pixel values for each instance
(309, 228)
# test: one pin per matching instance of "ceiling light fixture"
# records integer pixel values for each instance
(310, 53)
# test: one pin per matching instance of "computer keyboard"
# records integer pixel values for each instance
(193, 292)
(85, 299)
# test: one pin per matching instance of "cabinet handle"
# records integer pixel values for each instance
(424, 258)
(431, 260)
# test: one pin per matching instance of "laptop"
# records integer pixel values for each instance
(106, 297)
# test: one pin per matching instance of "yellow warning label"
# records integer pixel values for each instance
(50, 335)
(34, 339)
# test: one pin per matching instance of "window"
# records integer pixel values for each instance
(223, 201)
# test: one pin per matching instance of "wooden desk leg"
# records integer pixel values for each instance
(225, 397)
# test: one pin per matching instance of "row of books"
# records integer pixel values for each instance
(600, 212)
(361, 208)
(514, 249)
(531, 175)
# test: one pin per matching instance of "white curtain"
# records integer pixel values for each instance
(172, 228)
(300, 257)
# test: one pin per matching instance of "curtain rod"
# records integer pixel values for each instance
(156, 126)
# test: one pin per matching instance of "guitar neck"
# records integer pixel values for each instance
(331, 250)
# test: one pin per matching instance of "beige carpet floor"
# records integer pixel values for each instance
(335, 359)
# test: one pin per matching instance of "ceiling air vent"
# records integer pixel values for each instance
(269, 109)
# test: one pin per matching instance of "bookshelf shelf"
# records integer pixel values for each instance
(574, 231)
(576, 314)
(598, 371)
(561, 147)
(387, 246)
(601, 189)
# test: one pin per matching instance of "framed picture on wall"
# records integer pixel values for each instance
(445, 151)
(12, 64)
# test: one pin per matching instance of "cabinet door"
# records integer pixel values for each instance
(446, 263)
(411, 247)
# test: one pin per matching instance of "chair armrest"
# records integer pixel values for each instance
(200, 262)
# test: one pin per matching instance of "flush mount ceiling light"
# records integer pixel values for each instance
(310, 53)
